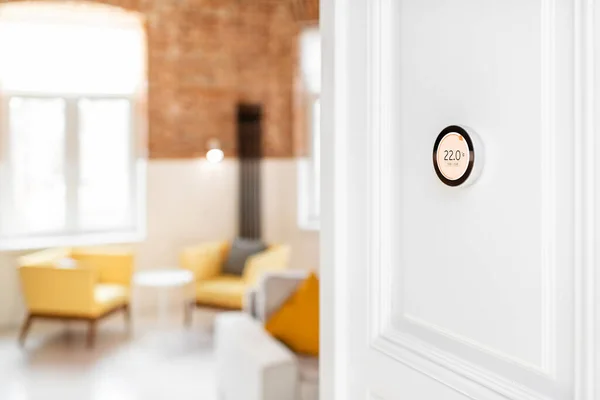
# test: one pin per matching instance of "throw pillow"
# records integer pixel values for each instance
(296, 323)
(239, 252)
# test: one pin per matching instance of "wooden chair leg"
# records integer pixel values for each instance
(91, 336)
(25, 329)
(188, 313)
(127, 313)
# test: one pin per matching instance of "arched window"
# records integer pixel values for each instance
(72, 92)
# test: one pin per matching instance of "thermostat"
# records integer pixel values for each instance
(457, 156)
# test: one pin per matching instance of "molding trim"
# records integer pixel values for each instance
(471, 343)
(379, 166)
(548, 210)
(334, 318)
(585, 200)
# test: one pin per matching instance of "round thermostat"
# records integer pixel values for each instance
(457, 156)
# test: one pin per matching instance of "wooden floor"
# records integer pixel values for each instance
(152, 363)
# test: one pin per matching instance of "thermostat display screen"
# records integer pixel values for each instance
(453, 156)
(454, 153)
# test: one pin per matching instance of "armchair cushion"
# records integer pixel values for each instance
(108, 297)
(223, 291)
(205, 260)
(239, 252)
(114, 266)
(275, 258)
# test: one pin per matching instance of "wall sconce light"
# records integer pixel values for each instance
(214, 155)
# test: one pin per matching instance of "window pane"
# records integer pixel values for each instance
(316, 158)
(104, 188)
(83, 49)
(37, 132)
(310, 59)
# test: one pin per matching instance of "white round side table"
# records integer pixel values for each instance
(163, 280)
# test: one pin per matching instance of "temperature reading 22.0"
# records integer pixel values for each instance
(453, 155)
(457, 156)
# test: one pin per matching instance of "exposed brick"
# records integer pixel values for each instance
(205, 56)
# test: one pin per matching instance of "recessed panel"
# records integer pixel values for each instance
(472, 258)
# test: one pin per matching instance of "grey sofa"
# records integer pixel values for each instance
(251, 364)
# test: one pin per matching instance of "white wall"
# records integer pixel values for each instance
(11, 308)
(280, 218)
(191, 201)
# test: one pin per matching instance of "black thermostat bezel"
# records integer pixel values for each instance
(463, 132)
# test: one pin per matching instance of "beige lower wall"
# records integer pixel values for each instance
(11, 308)
(191, 201)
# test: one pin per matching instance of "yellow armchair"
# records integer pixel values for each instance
(97, 286)
(217, 290)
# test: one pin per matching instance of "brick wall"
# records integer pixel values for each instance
(207, 55)
(305, 10)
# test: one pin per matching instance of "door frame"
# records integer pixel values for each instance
(334, 207)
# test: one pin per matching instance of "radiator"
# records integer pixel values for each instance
(249, 139)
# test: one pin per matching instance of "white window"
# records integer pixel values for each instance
(309, 167)
(72, 84)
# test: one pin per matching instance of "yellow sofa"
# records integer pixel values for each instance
(98, 285)
(217, 290)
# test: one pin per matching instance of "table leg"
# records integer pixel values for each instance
(163, 306)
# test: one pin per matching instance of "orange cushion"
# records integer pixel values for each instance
(296, 323)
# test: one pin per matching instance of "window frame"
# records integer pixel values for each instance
(309, 191)
(309, 216)
(73, 234)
